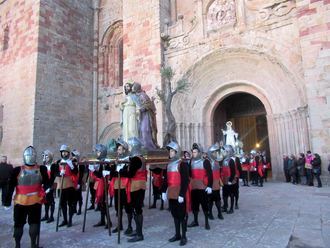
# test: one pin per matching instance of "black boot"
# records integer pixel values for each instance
(231, 205)
(71, 212)
(154, 204)
(207, 225)
(129, 229)
(111, 199)
(139, 223)
(218, 205)
(183, 240)
(195, 221)
(210, 211)
(177, 235)
(79, 210)
(46, 213)
(34, 232)
(18, 233)
(225, 204)
(161, 204)
(52, 209)
(65, 215)
(101, 222)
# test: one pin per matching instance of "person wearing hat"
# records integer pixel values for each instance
(215, 198)
(51, 168)
(137, 174)
(28, 180)
(67, 172)
(201, 184)
(81, 170)
(229, 178)
(122, 154)
(97, 173)
(175, 189)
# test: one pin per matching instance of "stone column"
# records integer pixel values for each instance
(95, 71)
(174, 14)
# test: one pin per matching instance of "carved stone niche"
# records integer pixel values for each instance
(268, 9)
(221, 13)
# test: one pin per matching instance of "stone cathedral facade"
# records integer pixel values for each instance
(263, 64)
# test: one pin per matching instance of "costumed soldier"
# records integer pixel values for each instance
(97, 175)
(51, 168)
(176, 182)
(28, 180)
(253, 168)
(265, 163)
(157, 182)
(69, 174)
(238, 169)
(228, 174)
(201, 184)
(260, 170)
(81, 170)
(217, 182)
(122, 154)
(137, 174)
(245, 162)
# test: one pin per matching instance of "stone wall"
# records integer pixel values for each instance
(63, 108)
(140, 33)
(313, 19)
(275, 50)
(18, 61)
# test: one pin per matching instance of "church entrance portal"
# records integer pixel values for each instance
(248, 115)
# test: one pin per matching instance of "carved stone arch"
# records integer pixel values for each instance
(236, 70)
(112, 131)
(111, 56)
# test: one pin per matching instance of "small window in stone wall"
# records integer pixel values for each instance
(5, 43)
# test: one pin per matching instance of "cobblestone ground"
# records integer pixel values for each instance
(277, 215)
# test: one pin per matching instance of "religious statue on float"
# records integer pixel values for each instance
(231, 138)
(129, 114)
(138, 116)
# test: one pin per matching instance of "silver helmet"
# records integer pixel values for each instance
(121, 142)
(65, 148)
(229, 150)
(75, 153)
(135, 146)
(197, 146)
(213, 148)
(175, 146)
(30, 156)
(47, 156)
(100, 151)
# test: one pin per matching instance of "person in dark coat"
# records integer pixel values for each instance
(5, 172)
(316, 163)
(300, 168)
(285, 168)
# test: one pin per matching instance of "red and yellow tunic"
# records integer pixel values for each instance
(29, 189)
(199, 178)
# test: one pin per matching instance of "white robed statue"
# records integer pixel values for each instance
(230, 135)
(130, 114)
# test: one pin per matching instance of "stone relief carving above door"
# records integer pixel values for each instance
(268, 9)
(221, 13)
